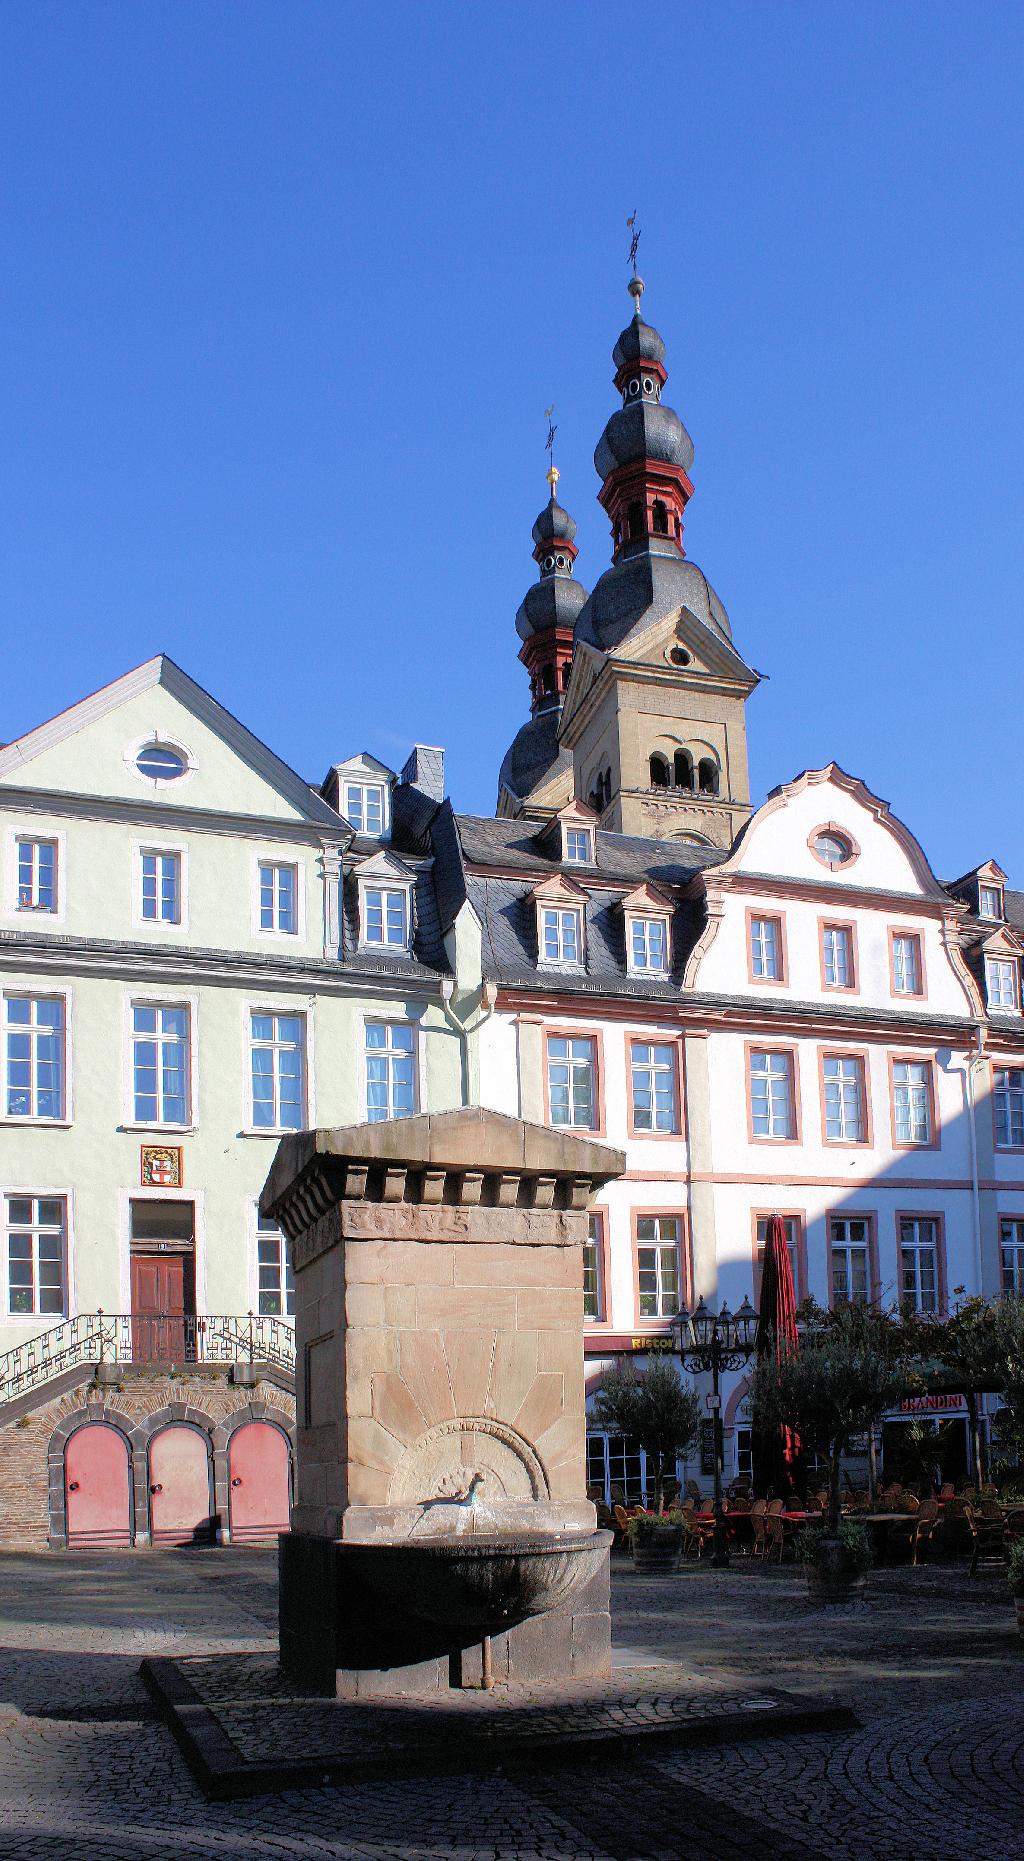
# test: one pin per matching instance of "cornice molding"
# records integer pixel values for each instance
(179, 965)
(142, 813)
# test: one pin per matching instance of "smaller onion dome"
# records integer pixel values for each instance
(554, 525)
(554, 601)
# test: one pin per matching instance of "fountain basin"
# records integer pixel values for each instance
(487, 1582)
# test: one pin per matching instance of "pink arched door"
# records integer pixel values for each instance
(97, 1488)
(258, 1469)
(179, 1486)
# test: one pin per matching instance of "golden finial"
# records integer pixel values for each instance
(635, 287)
(552, 474)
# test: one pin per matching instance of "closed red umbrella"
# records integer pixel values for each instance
(776, 1450)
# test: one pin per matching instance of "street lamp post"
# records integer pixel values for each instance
(717, 1341)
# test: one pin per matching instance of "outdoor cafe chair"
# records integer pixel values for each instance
(987, 1533)
(758, 1513)
(779, 1535)
(947, 1489)
(916, 1528)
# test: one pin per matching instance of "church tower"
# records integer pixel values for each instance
(654, 712)
(536, 776)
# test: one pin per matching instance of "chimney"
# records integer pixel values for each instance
(425, 771)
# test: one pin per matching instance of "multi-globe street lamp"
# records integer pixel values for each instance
(717, 1341)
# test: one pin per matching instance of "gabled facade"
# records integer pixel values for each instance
(198, 951)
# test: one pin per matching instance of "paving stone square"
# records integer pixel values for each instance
(931, 1665)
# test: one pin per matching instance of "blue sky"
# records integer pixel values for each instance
(287, 287)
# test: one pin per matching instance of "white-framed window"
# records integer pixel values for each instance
(657, 1265)
(990, 901)
(157, 761)
(385, 916)
(906, 964)
(766, 949)
(1001, 981)
(365, 808)
(277, 1058)
(275, 1283)
(919, 1263)
(37, 875)
(579, 846)
(161, 1082)
(1008, 1091)
(572, 1081)
(593, 1270)
(34, 1054)
(772, 1102)
(912, 1101)
(279, 897)
(850, 1248)
(845, 1099)
(159, 886)
(654, 1086)
(618, 1465)
(1011, 1256)
(837, 956)
(36, 1246)
(561, 934)
(648, 946)
(390, 1070)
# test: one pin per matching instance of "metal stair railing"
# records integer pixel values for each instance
(163, 1338)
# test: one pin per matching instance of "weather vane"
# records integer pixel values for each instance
(552, 473)
(634, 239)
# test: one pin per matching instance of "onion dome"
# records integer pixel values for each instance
(644, 455)
(556, 599)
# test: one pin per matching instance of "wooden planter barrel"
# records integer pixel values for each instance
(659, 1551)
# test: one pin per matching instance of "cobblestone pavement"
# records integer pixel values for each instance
(932, 1665)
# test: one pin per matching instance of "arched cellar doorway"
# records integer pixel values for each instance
(259, 1482)
(97, 1488)
(180, 1486)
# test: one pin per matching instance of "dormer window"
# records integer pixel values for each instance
(648, 946)
(385, 917)
(364, 806)
(575, 824)
(385, 904)
(561, 934)
(990, 901)
(579, 846)
(1001, 981)
(647, 914)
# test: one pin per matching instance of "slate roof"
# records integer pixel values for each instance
(428, 952)
(643, 588)
(533, 754)
(463, 843)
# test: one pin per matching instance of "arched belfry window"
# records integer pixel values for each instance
(707, 776)
(548, 679)
(659, 771)
(635, 522)
(660, 518)
(682, 769)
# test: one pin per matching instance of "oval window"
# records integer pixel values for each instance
(159, 763)
(832, 849)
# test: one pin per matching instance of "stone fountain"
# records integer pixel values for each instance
(441, 1534)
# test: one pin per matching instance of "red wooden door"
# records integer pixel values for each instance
(158, 1308)
(258, 1470)
(97, 1488)
(179, 1486)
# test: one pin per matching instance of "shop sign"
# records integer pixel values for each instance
(707, 1447)
(939, 1403)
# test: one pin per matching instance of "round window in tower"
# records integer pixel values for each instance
(559, 562)
(648, 385)
(832, 847)
(161, 762)
(549, 562)
(634, 387)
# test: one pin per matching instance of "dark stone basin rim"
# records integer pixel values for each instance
(483, 1544)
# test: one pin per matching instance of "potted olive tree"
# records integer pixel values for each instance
(1015, 1580)
(838, 1382)
(658, 1410)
